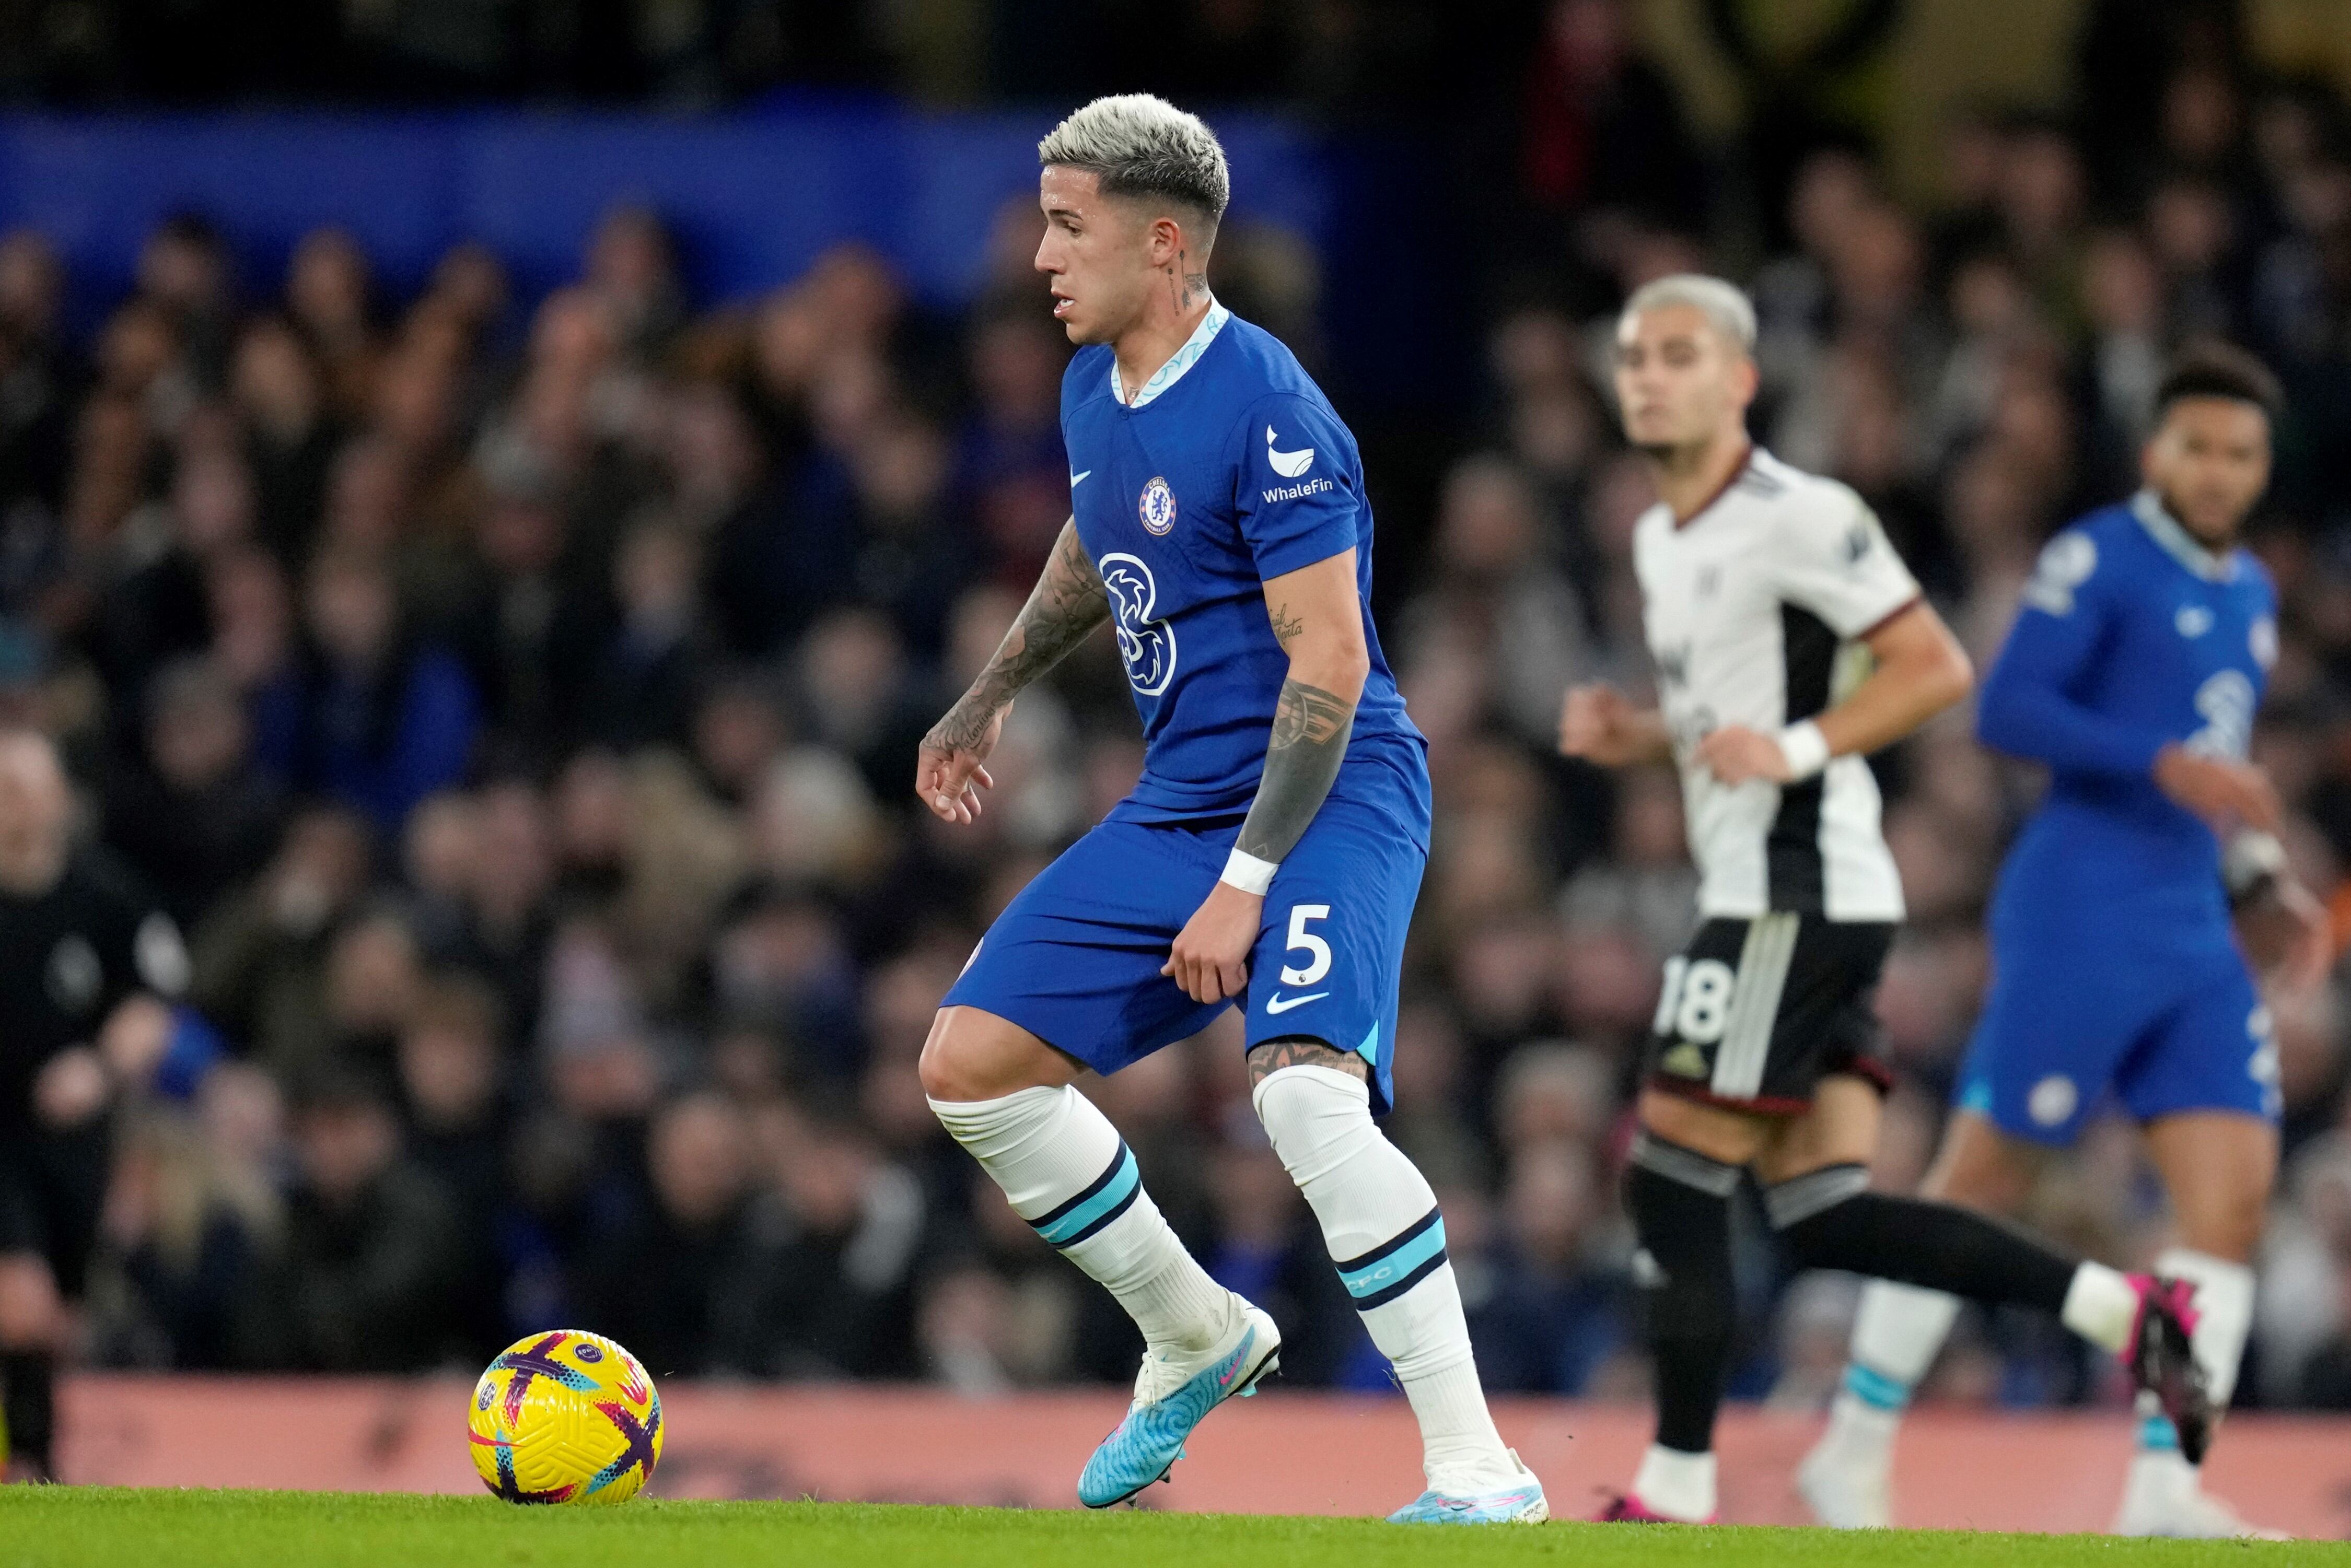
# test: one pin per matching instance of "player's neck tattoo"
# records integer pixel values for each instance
(1194, 284)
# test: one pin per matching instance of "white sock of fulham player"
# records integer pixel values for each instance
(1067, 1172)
(2224, 1301)
(1676, 1485)
(1380, 1221)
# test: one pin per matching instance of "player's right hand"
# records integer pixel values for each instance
(2287, 934)
(2225, 793)
(1595, 724)
(950, 770)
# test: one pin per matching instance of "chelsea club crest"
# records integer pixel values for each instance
(1157, 507)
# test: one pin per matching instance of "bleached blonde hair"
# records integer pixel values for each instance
(1139, 145)
(1723, 304)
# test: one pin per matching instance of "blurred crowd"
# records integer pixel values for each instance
(515, 702)
(1353, 57)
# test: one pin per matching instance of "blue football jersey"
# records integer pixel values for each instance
(1228, 468)
(2132, 637)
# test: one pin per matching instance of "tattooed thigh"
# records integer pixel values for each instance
(1274, 1055)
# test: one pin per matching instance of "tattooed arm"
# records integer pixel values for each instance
(1068, 602)
(1323, 634)
(1317, 616)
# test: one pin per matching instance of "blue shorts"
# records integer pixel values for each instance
(2063, 1026)
(1075, 959)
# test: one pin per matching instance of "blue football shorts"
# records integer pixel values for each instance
(2065, 1024)
(1075, 959)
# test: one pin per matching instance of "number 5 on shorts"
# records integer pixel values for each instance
(1319, 962)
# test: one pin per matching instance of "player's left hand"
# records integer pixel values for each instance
(1736, 754)
(1210, 959)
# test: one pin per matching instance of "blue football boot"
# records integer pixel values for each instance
(1173, 1393)
(1519, 1503)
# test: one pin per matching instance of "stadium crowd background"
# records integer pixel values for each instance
(516, 707)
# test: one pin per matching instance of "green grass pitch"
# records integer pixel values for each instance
(67, 1527)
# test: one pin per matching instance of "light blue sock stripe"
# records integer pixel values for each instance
(1875, 1389)
(2157, 1434)
(1114, 1192)
(1374, 1277)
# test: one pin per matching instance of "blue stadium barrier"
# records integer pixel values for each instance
(754, 197)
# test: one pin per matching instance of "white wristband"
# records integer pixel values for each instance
(2248, 859)
(1249, 873)
(1806, 749)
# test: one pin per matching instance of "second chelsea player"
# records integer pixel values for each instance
(1268, 858)
(2134, 670)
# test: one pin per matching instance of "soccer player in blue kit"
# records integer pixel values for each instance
(2134, 670)
(1269, 856)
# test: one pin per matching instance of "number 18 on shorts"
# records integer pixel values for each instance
(1756, 1012)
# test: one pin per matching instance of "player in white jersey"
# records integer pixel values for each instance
(1790, 641)
(1754, 617)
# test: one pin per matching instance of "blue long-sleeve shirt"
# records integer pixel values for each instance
(2131, 637)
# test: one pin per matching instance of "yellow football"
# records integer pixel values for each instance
(565, 1416)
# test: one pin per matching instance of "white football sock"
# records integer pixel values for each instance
(1677, 1485)
(1896, 1335)
(2101, 1305)
(1900, 1330)
(1068, 1173)
(2224, 1302)
(1380, 1222)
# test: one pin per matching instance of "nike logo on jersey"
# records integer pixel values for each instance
(1289, 465)
(1078, 479)
(1278, 1004)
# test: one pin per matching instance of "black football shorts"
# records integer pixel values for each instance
(1754, 1013)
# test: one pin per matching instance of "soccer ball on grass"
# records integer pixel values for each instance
(565, 1417)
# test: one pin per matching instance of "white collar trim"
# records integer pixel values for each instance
(2177, 542)
(1183, 360)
